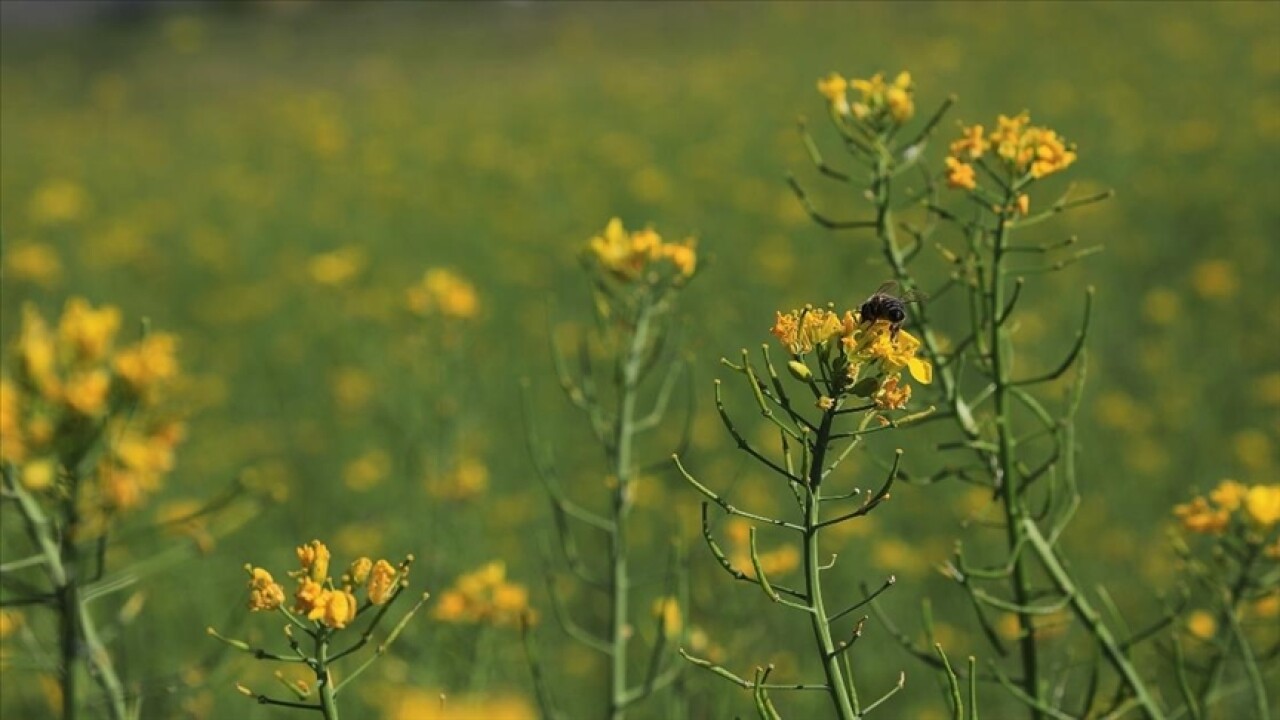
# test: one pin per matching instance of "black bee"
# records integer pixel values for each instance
(885, 305)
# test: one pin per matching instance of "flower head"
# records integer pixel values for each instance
(800, 331)
(382, 582)
(834, 88)
(642, 254)
(314, 557)
(960, 175)
(87, 333)
(1262, 504)
(150, 362)
(264, 592)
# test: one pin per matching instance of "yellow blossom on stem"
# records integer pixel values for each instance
(334, 608)
(314, 557)
(1263, 505)
(669, 610)
(628, 256)
(971, 145)
(892, 395)
(960, 175)
(358, 572)
(38, 354)
(800, 331)
(264, 592)
(87, 332)
(444, 292)
(382, 582)
(307, 595)
(1199, 517)
(86, 392)
(12, 444)
(1023, 204)
(1229, 495)
(834, 88)
(151, 361)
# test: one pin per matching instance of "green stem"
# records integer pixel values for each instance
(1007, 460)
(628, 378)
(324, 678)
(836, 684)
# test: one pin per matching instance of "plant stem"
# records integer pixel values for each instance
(628, 377)
(836, 685)
(1006, 456)
(324, 678)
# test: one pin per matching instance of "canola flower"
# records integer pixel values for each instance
(642, 255)
(443, 292)
(855, 357)
(1257, 506)
(71, 387)
(485, 596)
(1024, 151)
(878, 103)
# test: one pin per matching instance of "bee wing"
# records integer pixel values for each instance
(914, 296)
(888, 288)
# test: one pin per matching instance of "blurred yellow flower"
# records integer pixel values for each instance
(1199, 517)
(1253, 449)
(38, 354)
(39, 475)
(442, 291)
(58, 201)
(484, 595)
(36, 263)
(1229, 495)
(12, 445)
(668, 610)
(352, 388)
(1161, 306)
(147, 364)
(1215, 279)
(367, 471)
(1036, 150)
(834, 88)
(877, 97)
(971, 145)
(402, 703)
(1202, 625)
(86, 392)
(1263, 504)
(960, 175)
(468, 479)
(87, 332)
(336, 268)
(628, 255)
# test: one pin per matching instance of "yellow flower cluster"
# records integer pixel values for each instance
(1026, 150)
(70, 378)
(877, 99)
(860, 346)
(443, 292)
(640, 254)
(776, 562)
(1259, 505)
(318, 598)
(485, 595)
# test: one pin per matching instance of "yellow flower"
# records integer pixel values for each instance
(307, 595)
(37, 353)
(971, 143)
(336, 268)
(1229, 495)
(1037, 150)
(36, 263)
(38, 475)
(334, 608)
(358, 572)
(382, 582)
(960, 176)
(1263, 504)
(88, 332)
(445, 292)
(833, 87)
(899, 352)
(152, 361)
(898, 98)
(877, 96)
(1215, 279)
(58, 201)
(891, 395)
(314, 557)
(86, 392)
(1199, 517)
(800, 331)
(669, 610)
(626, 256)
(1201, 625)
(1023, 204)
(13, 447)
(264, 592)
(484, 595)
(367, 471)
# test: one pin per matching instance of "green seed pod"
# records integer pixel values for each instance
(799, 371)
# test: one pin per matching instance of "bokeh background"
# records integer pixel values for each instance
(267, 180)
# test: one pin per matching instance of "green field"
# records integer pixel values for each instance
(190, 168)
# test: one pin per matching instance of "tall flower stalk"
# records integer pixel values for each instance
(850, 368)
(636, 277)
(1017, 448)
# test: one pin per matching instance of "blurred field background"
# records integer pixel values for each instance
(268, 180)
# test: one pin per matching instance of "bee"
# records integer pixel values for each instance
(885, 304)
